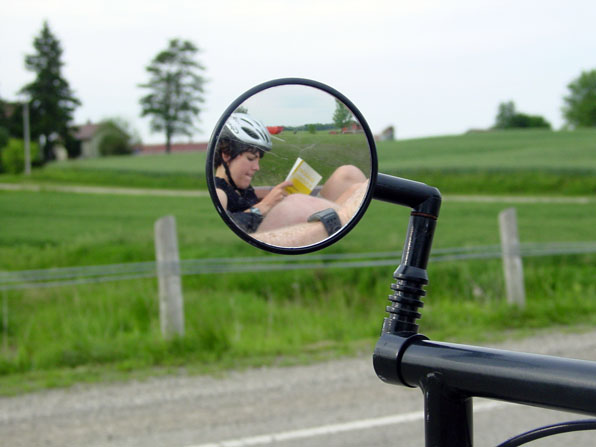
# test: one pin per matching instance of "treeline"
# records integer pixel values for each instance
(579, 108)
(174, 94)
(310, 127)
(509, 118)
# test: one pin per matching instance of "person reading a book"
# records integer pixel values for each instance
(316, 230)
(241, 145)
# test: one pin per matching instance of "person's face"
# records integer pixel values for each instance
(243, 168)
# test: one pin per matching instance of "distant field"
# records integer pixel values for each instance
(518, 162)
(174, 171)
(180, 162)
(505, 162)
(322, 151)
(511, 150)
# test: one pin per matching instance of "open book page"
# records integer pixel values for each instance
(303, 177)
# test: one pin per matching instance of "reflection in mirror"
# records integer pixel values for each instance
(291, 165)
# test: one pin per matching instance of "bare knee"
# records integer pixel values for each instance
(341, 180)
(349, 173)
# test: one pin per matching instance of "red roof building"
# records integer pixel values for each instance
(175, 147)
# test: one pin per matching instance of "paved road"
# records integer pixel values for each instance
(337, 403)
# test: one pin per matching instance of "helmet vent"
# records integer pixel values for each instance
(250, 132)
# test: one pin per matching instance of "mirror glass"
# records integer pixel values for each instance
(291, 166)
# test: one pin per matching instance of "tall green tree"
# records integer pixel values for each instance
(6, 111)
(175, 90)
(505, 115)
(52, 102)
(580, 105)
(342, 116)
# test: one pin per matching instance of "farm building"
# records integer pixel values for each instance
(90, 138)
(175, 147)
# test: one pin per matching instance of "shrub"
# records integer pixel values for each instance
(114, 144)
(4, 136)
(521, 120)
(509, 118)
(12, 156)
(114, 140)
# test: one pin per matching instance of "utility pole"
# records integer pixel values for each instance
(27, 138)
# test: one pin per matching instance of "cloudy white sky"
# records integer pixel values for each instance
(427, 67)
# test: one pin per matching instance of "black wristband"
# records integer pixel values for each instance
(328, 218)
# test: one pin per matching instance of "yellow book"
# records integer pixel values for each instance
(303, 177)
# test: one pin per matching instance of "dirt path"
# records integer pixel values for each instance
(80, 189)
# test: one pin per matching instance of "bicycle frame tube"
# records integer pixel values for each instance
(530, 379)
(450, 374)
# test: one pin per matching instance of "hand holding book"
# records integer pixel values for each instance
(303, 177)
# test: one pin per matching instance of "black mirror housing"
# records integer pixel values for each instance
(299, 116)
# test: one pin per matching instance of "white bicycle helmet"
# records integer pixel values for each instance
(244, 128)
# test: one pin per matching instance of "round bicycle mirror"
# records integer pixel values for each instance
(291, 165)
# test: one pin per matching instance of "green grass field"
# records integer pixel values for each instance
(58, 336)
(506, 162)
(518, 162)
(492, 151)
(324, 152)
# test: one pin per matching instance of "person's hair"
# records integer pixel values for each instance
(233, 148)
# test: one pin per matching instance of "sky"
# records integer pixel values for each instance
(426, 67)
(291, 105)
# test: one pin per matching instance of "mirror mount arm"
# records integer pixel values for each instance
(410, 276)
(420, 197)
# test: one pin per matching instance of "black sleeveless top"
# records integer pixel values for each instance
(239, 200)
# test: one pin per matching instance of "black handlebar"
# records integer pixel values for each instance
(530, 379)
(450, 374)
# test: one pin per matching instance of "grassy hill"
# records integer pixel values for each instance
(500, 162)
(510, 150)
(519, 162)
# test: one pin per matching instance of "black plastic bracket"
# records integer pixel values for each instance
(387, 357)
(410, 276)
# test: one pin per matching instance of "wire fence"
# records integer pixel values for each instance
(66, 276)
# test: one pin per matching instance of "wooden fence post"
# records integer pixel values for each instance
(171, 302)
(4, 321)
(512, 261)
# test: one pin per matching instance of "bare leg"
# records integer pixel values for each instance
(294, 209)
(302, 234)
(342, 179)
